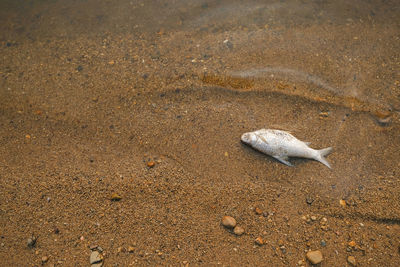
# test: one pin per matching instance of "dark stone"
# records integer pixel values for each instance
(31, 242)
(229, 44)
(309, 200)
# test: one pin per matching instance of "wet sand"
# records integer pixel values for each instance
(91, 92)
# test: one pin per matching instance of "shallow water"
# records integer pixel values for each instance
(92, 90)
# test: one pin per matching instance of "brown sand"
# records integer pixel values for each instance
(91, 91)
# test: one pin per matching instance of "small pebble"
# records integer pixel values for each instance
(31, 242)
(258, 211)
(324, 114)
(342, 203)
(384, 122)
(351, 260)
(131, 249)
(151, 164)
(228, 221)
(383, 117)
(259, 241)
(115, 197)
(95, 257)
(238, 230)
(313, 218)
(314, 257)
(323, 243)
(45, 259)
(309, 200)
(352, 243)
(228, 44)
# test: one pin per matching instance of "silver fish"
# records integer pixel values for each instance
(281, 145)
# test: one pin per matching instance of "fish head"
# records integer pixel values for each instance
(249, 138)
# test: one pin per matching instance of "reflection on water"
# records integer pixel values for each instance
(340, 46)
(287, 81)
(339, 52)
(285, 73)
(334, 52)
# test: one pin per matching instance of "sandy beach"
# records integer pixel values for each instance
(120, 125)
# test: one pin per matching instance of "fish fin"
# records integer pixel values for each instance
(321, 154)
(284, 160)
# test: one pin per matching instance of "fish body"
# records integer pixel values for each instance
(281, 145)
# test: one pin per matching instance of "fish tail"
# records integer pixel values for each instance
(321, 156)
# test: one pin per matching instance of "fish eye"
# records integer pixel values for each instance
(246, 137)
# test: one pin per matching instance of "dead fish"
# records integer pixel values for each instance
(281, 145)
